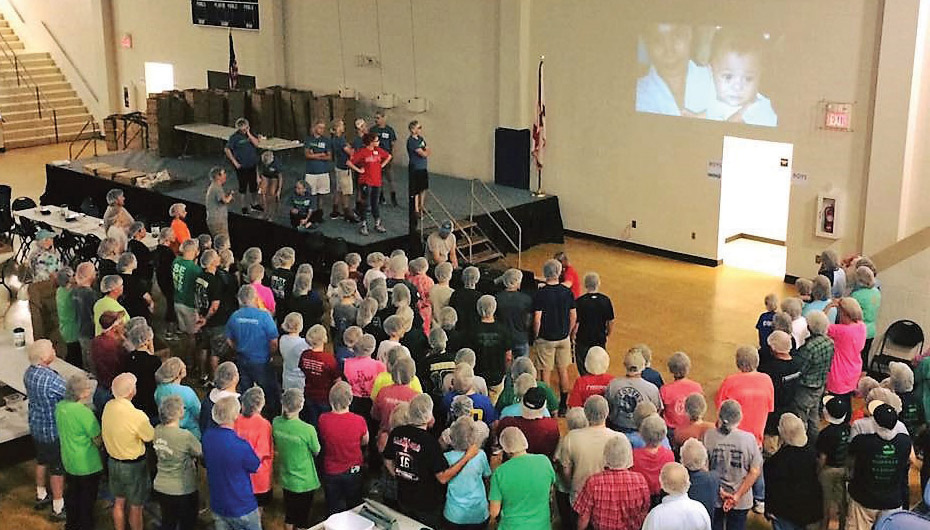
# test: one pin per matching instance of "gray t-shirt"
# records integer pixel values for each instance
(216, 208)
(623, 394)
(442, 245)
(176, 449)
(731, 456)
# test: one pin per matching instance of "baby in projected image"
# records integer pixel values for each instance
(736, 63)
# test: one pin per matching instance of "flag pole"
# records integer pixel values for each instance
(539, 135)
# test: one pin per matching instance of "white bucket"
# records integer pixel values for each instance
(348, 521)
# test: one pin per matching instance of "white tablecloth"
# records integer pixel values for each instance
(221, 132)
(403, 522)
(83, 225)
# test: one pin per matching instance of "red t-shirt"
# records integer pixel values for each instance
(569, 274)
(650, 465)
(542, 434)
(673, 396)
(388, 398)
(341, 436)
(369, 159)
(320, 374)
(587, 386)
(257, 431)
(756, 395)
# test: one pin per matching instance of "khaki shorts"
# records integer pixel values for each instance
(553, 353)
(187, 318)
(317, 184)
(344, 181)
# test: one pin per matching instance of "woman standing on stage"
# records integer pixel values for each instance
(368, 163)
(270, 185)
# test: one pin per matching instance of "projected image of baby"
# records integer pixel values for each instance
(675, 85)
(737, 66)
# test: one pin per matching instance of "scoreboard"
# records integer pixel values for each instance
(237, 14)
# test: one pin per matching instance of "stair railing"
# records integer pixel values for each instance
(93, 139)
(428, 214)
(479, 185)
(23, 76)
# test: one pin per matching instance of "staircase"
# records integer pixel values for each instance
(38, 104)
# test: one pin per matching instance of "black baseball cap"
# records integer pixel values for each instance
(837, 408)
(884, 414)
(534, 399)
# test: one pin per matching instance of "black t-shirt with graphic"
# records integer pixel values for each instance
(491, 340)
(208, 289)
(833, 442)
(281, 283)
(880, 470)
(417, 459)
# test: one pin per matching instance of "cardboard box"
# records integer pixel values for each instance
(129, 177)
(110, 171)
(94, 167)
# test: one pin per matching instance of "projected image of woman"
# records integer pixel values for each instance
(675, 85)
(737, 64)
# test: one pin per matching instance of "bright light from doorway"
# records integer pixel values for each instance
(159, 77)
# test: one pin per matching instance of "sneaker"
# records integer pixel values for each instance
(42, 503)
(258, 208)
(758, 506)
(354, 219)
(334, 215)
(363, 230)
(380, 228)
(58, 517)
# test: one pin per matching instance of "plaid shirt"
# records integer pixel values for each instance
(44, 389)
(615, 499)
(816, 356)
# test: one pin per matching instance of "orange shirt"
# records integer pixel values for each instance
(181, 234)
(756, 395)
(257, 431)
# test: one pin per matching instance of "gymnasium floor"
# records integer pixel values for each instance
(669, 305)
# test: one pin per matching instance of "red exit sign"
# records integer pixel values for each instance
(838, 117)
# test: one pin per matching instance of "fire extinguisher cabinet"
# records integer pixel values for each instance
(829, 215)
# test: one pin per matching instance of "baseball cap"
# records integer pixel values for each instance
(534, 399)
(445, 227)
(837, 407)
(884, 414)
(44, 234)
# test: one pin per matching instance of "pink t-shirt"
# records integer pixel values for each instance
(848, 341)
(388, 398)
(650, 465)
(257, 431)
(587, 386)
(265, 295)
(361, 372)
(341, 436)
(673, 397)
(756, 396)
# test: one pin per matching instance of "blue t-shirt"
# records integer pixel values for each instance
(819, 305)
(340, 156)
(252, 330)
(765, 327)
(414, 143)
(653, 376)
(358, 143)
(342, 353)
(246, 153)
(637, 442)
(191, 420)
(466, 499)
(317, 145)
(229, 461)
(483, 411)
(386, 137)
(515, 410)
(301, 203)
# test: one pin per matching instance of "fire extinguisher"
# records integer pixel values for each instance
(828, 219)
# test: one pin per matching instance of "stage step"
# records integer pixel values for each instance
(30, 105)
(43, 140)
(475, 241)
(486, 256)
(32, 114)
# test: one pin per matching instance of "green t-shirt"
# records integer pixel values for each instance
(184, 274)
(869, 300)
(177, 471)
(524, 503)
(295, 445)
(77, 428)
(67, 316)
(103, 305)
(509, 397)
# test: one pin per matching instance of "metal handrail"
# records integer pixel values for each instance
(23, 75)
(77, 137)
(518, 245)
(446, 211)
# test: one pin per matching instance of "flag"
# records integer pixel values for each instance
(539, 125)
(233, 65)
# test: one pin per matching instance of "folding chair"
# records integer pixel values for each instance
(903, 334)
(24, 228)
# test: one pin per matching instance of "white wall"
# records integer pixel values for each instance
(79, 27)
(162, 31)
(904, 293)
(610, 165)
(456, 67)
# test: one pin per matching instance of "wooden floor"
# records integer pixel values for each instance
(669, 305)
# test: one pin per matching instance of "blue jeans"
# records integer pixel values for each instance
(521, 350)
(312, 412)
(758, 489)
(731, 520)
(261, 374)
(371, 202)
(343, 491)
(249, 521)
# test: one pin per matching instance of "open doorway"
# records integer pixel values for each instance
(159, 77)
(755, 188)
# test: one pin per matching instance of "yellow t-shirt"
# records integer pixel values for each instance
(384, 379)
(107, 304)
(125, 429)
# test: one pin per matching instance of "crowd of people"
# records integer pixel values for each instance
(413, 381)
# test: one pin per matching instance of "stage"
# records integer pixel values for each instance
(540, 218)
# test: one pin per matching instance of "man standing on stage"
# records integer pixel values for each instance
(361, 129)
(216, 203)
(345, 190)
(318, 152)
(386, 139)
(242, 152)
(417, 152)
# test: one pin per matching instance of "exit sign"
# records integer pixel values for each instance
(838, 117)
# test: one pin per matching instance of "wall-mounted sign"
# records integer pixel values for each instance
(126, 41)
(236, 14)
(838, 117)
